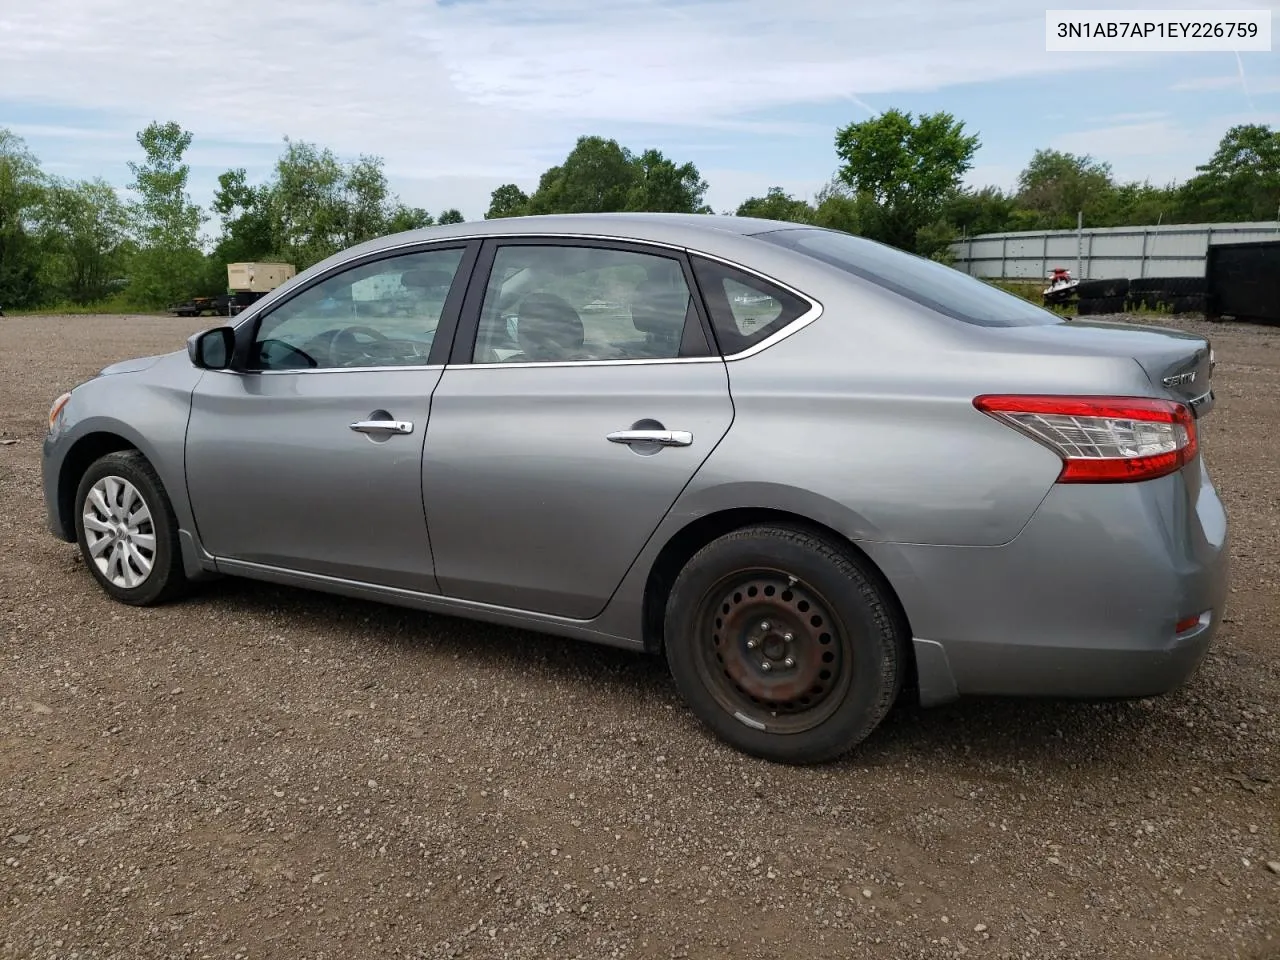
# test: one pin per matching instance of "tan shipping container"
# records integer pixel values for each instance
(257, 277)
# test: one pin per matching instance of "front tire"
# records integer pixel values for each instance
(783, 645)
(127, 530)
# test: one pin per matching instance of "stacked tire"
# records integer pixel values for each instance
(1098, 297)
(1161, 294)
(1169, 294)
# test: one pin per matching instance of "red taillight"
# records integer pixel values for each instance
(1102, 439)
(1182, 626)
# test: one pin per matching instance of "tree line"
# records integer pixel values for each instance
(899, 180)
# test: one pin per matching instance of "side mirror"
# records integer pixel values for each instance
(212, 349)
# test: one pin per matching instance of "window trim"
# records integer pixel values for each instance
(246, 328)
(462, 355)
(474, 243)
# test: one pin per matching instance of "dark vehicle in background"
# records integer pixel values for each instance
(247, 283)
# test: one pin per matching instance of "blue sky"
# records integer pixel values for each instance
(459, 96)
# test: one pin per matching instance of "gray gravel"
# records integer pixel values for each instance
(264, 772)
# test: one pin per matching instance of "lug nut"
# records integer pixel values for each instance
(752, 643)
(766, 666)
(790, 661)
(764, 624)
(787, 638)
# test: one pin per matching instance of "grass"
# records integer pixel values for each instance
(117, 304)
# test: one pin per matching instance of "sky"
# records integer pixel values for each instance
(459, 96)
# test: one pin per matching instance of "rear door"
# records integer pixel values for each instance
(581, 397)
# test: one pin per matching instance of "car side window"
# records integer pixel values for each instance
(744, 308)
(378, 314)
(547, 303)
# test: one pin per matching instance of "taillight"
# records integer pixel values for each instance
(1102, 439)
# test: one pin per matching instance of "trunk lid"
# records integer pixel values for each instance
(1179, 364)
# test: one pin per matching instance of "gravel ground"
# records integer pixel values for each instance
(260, 771)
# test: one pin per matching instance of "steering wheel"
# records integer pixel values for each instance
(344, 340)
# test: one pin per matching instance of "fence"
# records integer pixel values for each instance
(1175, 250)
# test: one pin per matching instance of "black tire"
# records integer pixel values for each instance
(799, 598)
(1143, 284)
(1184, 286)
(166, 578)
(1189, 304)
(1096, 306)
(1093, 289)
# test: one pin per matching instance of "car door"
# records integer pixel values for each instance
(309, 458)
(581, 397)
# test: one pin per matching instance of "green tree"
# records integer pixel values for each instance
(777, 204)
(408, 218)
(596, 177)
(245, 212)
(365, 201)
(1142, 204)
(85, 241)
(169, 264)
(988, 210)
(659, 185)
(507, 201)
(1241, 181)
(909, 168)
(1055, 186)
(452, 215)
(22, 187)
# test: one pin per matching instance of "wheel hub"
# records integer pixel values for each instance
(774, 645)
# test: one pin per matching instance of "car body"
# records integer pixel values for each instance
(589, 424)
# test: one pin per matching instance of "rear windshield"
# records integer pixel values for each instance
(930, 284)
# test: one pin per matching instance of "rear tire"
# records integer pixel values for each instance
(127, 531)
(782, 596)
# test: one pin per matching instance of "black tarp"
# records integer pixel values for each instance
(1244, 280)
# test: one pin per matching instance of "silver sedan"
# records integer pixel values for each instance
(810, 470)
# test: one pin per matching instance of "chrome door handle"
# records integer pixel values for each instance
(668, 438)
(382, 426)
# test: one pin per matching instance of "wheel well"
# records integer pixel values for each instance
(79, 458)
(681, 548)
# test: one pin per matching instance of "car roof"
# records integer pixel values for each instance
(679, 229)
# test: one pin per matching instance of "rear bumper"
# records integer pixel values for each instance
(1084, 603)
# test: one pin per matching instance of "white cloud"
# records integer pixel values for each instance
(494, 87)
(1257, 84)
(1160, 151)
(487, 91)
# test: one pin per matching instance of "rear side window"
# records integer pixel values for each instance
(745, 310)
(926, 282)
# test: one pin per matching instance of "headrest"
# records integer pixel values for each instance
(659, 310)
(548, 328)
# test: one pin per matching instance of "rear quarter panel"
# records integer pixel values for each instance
(871, 408)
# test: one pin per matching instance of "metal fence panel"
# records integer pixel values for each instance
(1174, 250)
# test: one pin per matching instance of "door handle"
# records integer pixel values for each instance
(382, 426)
(668, 438)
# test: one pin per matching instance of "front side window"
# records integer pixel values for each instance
(378, 314)
(549, 303)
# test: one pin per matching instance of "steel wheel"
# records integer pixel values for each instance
(772, 652)
(119, 532)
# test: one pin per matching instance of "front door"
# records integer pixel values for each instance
(581, 398)
(311, 458)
